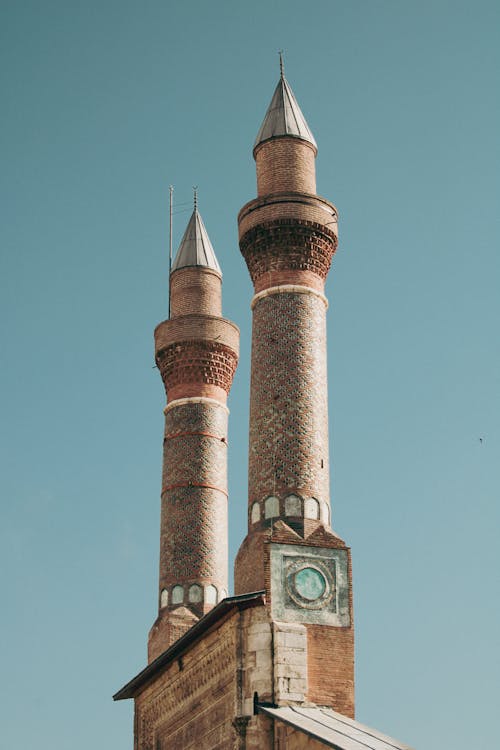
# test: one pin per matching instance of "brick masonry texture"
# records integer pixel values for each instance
(195, 290)
(331, 662)
(193, 544)
(330, 649)
(285, 164)
(288, 446)
(297, 206)
(167, 628)
(196, 328)
(196, 350)
(190, 362)
(192, 704)
(204, 698)
(288, 244)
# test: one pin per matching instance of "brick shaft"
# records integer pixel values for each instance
(285, 164)
(288, 236)
(195, 290)
(288, 403)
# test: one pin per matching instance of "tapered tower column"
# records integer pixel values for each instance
(196, 352)
(288, 236)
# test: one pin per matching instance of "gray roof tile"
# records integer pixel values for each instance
(332, 729)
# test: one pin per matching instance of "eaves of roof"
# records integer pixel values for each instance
(224, 608)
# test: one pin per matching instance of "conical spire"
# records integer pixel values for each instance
(195, 248)
(284, 116)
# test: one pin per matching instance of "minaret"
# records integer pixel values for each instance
(288, 236)
(196, 352)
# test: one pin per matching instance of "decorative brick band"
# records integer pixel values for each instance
(194, 400)
(197, 362)
(198, 434)
(287, 289)
(193, 484)
(288, 244)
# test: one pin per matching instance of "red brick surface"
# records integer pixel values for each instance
(196, 352)
(195, 290)
(288, 401)
(288, 237)
(285, 164)
(288, 244)
(189, 362)
(297, 206)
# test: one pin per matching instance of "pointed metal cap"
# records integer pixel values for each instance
(195, 248)
(284, 116)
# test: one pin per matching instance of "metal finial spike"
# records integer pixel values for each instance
(195, 197)
(282, 67)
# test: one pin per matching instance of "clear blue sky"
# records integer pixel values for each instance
(104, 104)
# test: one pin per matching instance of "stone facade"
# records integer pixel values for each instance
(204, 696)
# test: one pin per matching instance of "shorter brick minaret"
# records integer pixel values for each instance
(196, 351)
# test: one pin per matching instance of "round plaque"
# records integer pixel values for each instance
(310, 583)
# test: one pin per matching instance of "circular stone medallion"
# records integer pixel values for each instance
(310, 583)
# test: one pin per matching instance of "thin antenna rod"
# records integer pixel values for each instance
(195, 197)
(282, 67)
(170, 206)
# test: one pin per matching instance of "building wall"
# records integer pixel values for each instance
(204, 698)
(193, 702)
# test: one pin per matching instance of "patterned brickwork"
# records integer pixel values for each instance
(296, 206)
(285, 164)
(192, 704)
(203, 697)
(195, 290)
(196, 352)
(197, 362)
(167, 628)
(194, 499)
(288, 403)
(287, 244)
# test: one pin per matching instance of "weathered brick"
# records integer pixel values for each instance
(285, 164)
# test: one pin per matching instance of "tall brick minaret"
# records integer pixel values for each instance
(288, 236)
(196, 351)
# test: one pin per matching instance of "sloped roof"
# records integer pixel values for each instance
(332, 729)
(284, 117)
(195, 248)
(195, 632)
